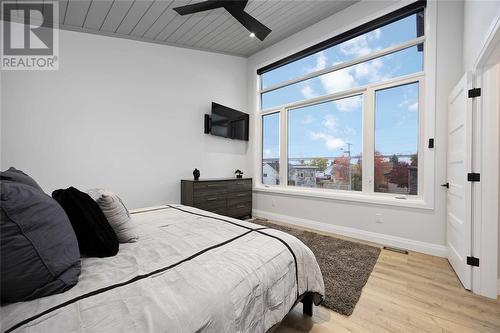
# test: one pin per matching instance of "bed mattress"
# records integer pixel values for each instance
(190, 271)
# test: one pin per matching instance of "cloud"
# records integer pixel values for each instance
(268, 153)
(369, 70)
(331, 143)
(337, 81)
(308, 119)
(350, 77)
(409, 105)
(348, 131)
(413, 107)
(321, 62)
(348, 104)
(307, 91)
(375, 34)
(330, 123)
(359, 46)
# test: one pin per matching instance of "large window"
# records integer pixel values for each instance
(325, 144)
(359, 97)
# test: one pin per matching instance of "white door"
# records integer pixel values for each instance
(458, 214)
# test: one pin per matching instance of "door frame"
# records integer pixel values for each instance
(485, 159)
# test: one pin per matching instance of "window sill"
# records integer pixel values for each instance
(382, 199)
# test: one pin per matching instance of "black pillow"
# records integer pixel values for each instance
(20, 177)
(95, 236)
(38, 247)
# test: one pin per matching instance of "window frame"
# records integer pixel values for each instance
(353, 62)
(427, 98)
(368, 130)
(261, 138)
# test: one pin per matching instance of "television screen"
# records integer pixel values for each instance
(229, 123)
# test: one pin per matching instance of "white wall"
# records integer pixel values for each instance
(123, 115)
(479, 18)
(425, 227)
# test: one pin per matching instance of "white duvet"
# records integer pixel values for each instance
(190, 271)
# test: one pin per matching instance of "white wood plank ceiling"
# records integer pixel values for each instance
(155, 21)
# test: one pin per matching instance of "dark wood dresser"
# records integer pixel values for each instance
(225, 196)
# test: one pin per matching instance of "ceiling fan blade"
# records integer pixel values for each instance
(199, 7)
(249, 22)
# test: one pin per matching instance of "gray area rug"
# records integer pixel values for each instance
(345, 265)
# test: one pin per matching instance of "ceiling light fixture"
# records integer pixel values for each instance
(252, 35)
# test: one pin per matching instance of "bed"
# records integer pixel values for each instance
(190, 271)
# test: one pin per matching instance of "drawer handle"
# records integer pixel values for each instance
(241, 206)
(213, 185)
(241, 195)
(212, 199)
(240, 183)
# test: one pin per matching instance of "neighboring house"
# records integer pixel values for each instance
(270, 176)
(329, 171)
(302, 175)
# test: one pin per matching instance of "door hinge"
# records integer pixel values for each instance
(475, 92)
(473, 261)
(473, 177)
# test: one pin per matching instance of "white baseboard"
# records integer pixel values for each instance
(394, 241)
(498, 287)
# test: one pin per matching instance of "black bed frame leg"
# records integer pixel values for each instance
(307, 304)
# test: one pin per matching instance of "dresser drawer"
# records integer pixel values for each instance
(209, 188)
(240, 209)
(211, 206)
(213, 200)
(240, 185)
(217, 210)
(233, 201)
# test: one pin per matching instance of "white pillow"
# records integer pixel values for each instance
(116, 213)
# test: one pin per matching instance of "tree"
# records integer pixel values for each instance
(341, 169)
(394, 159)
(414, 160)
(380, 169)
(399, 174)
(320, 162)
(356, 182)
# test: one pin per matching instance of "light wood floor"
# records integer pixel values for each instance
(406, 293)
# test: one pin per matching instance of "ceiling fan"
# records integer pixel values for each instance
(235, 8)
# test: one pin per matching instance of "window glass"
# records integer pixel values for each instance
(389, 35)
(396, 139)
(270, 149)
(400, 63)
(325, 145)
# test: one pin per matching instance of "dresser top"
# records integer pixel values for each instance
(201, 180)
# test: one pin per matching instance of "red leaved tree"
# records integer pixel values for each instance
(381, 167)
(399, 174)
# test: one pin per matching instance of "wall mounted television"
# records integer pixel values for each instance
(227, 123)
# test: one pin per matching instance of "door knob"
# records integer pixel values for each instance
(447, 185)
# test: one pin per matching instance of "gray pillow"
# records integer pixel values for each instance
(18, 176)
(116, 213)
(38, 247)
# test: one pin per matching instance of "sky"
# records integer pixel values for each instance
(325, 129)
